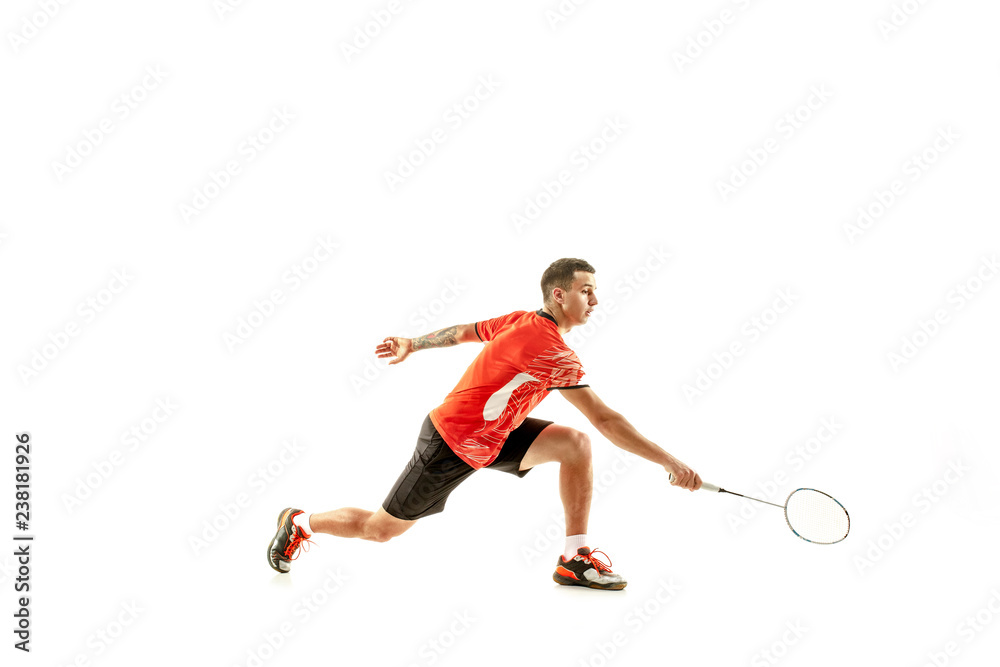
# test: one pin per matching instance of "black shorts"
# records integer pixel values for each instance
(435, 471)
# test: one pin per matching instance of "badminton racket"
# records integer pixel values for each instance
(814, 516)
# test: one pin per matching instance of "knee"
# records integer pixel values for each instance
(379, 531)
(376, 533)
(379, 536)
(579, 447)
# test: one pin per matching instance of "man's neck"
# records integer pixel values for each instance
(559, 317)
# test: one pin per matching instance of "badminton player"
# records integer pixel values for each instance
(484, 424)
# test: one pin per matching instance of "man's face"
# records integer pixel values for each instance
(579, 302)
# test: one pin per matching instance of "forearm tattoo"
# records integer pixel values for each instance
(442, 338)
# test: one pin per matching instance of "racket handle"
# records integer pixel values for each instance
(705, 486)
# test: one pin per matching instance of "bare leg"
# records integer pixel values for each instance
(378, 526)
(576, 488)
(571, 448)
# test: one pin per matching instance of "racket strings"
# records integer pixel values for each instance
(816, 517)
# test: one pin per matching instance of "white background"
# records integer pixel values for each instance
(892, 593)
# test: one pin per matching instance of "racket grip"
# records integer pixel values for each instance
(705, 486)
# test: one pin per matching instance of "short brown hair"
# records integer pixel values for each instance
(560, 274)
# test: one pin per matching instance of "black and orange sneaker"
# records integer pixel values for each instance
(585, 569)
(284, 548)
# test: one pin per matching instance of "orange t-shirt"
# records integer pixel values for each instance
(524, 357)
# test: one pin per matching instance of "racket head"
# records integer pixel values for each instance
(816, 516)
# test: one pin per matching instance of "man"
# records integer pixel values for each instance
(484, 423)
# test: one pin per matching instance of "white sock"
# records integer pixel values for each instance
(302, 521)
(574, 542)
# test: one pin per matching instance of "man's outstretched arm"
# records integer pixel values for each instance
(460, 333)
(613, 426)
(400, 348)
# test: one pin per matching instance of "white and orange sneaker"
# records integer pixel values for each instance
(284, 548)
(585, 569)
